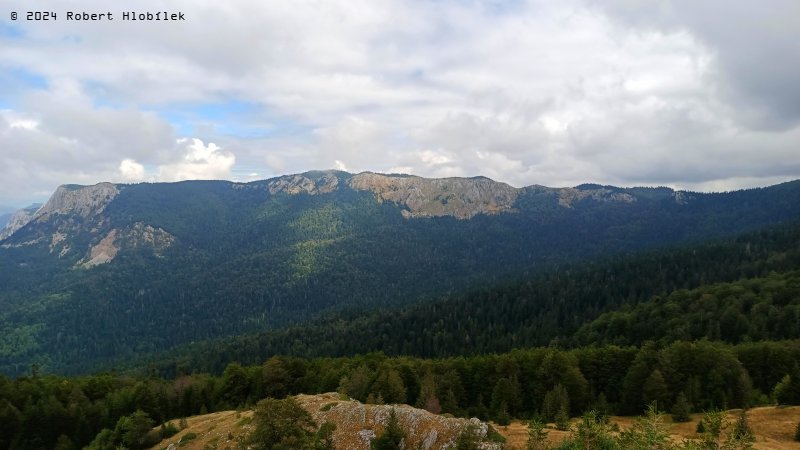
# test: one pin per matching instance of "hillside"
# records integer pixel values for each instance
(37, 411)
(117, 271)
(738, 289)
(772, 426)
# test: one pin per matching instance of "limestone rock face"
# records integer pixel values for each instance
(84, 201)
(140, 235)
(358, 424)
(462, 198)
(302, 183)
(568, 196)
(18, 220)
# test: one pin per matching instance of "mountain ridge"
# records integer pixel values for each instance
(126, 270)
(478, 195)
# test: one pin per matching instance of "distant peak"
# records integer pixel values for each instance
(81, 200)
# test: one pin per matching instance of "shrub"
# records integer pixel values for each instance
(167, 430)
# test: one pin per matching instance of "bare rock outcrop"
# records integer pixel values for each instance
(357, 424)
(84, 201)
(302, 183)
(568, 197)
(139, 235)
(18, 220)
(462, 198)
(103, 252)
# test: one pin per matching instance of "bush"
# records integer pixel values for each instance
(701, 427)
(493, 436)
(186, 438)
(797, 432)
(167, 430)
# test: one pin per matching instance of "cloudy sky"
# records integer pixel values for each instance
(695, 95)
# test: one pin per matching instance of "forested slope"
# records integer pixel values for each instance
(756, 272)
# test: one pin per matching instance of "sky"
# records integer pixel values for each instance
(692, 95)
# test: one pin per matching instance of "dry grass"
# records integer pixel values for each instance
(774, 428)
(218, 431)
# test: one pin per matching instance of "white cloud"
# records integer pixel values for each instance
(131, 171)
(199, 162)
(555, 93)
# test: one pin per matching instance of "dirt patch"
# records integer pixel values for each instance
(104, 252)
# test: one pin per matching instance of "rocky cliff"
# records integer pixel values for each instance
(84, 201)
(462, 198)
(18, 220)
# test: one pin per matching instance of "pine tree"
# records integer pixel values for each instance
(468, 439)
(281, 424)
(325, 437)
(741, 429)
(391, 437)
(427, 399)
(682, 409)
(562, 419)
(537, 436)
(655, 389)
(555, 401)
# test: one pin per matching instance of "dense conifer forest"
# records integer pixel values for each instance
(693, 329)
(733, 290)
(43, 411)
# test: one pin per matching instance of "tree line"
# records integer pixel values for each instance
(39, 411)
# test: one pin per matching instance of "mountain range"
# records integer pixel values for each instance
(114, 271)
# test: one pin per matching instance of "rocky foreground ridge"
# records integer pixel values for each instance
(357, 424)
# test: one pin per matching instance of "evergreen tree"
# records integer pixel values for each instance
(655, 389)
(275, 378)
(64, 443)
(427, 398)
(681, 410)
(537, 436)
(324, 437)
(356, 385)
(555, 401)
(505, 397)
(562, 419)
(468, 439)
(391, 437)
(714, 423)
(592, 432)
(648, 432)
(281, 425)
(742, 435)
